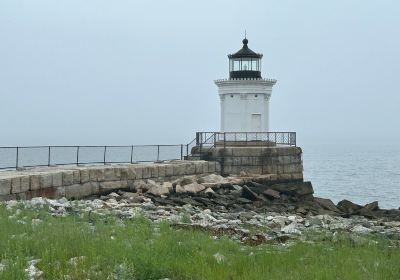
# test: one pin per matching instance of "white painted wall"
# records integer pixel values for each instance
(243, 103)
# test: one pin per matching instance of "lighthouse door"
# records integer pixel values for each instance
(255, 122)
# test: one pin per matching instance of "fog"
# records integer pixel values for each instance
(141, 72)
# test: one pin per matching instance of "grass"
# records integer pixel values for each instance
(109, 248)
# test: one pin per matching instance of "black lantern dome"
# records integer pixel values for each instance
(245, 63)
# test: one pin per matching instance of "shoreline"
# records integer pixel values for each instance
(212, 202)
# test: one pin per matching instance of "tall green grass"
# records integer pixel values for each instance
(110, 248)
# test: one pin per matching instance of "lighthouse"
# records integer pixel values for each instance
(244, 97)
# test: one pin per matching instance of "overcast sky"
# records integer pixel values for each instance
(141, 72)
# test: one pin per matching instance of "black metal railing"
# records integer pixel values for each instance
(247, 138)
(32, 156)
(35, 156)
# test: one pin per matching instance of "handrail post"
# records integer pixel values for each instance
(215, 139)
(224, 140)
(77, 155)
(131, 154)
(16, 161)
(187, 149)
(104, 158)
(48, 159)
(158, 152)
(181, 151)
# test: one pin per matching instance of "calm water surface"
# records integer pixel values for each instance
(360, 173)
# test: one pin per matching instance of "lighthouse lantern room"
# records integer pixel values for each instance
(245, 96)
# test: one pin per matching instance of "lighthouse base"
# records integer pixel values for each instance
(282, 161)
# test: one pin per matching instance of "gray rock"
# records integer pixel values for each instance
(209, 191)
(179, 189)
(326, 204)
(237, 188)
(270, 193)
(158, 190)
(213, 178)
(291, 229)
(249, 194)
(348, 206)
(361, 229)
(194, 188)
(187, 180)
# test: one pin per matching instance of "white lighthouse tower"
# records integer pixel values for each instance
(245, 95)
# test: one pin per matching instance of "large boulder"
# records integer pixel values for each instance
(179, 189)
(249, 194)
(212, 178)
(143, 185)
(326, 204)
(369, 210)
(186, 180)
(348, 207)
(158, 190)
(270, 193)
(373, 206)
(303, 190)
(194, 188)
(300, 190)
(209, 192)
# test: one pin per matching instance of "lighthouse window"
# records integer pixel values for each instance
(254, 65)
(256, 95)
(246, 65)
(236, 65)
(232, 95)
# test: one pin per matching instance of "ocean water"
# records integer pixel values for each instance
(361, 173)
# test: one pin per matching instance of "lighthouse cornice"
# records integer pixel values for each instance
(241, 81)
(245, 86)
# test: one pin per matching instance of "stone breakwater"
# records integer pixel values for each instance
(82, 181)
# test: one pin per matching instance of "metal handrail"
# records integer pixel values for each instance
(210, 138)
(275, 138)
(49, 159)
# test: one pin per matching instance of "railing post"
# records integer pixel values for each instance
(224, 140)
(187, 149)
(48, 159)
(131, 154)
(16, 161)
(275, 139)
(181, 151)
(215, 139)
(158, 152)
(104, 158)
(77, 155)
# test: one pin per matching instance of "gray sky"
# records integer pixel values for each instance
(141, 72)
